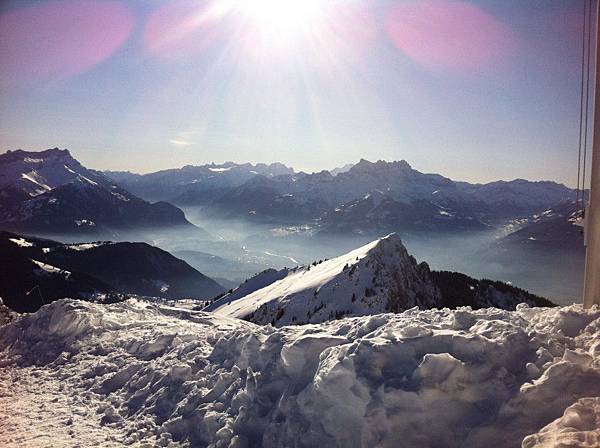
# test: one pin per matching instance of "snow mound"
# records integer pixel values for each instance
(142, 373)
(579, 426)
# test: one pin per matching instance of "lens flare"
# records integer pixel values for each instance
(183, 28)
(56, 40)
(457, 36)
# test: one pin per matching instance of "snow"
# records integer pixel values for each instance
(251, 285)
(69, 169)
(220, 170)
(33, 177)
(293, 260)
(84, 222)
(579, 426)
(49, 269)
(120, 196)
(85, 246)
(22, 242)
(161, 285)
(89, 181)
(146, 374)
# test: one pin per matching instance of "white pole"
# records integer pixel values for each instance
(591, 288)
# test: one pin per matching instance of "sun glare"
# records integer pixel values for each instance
(284, 13)
(286, 20)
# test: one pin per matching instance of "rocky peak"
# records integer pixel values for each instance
(381, 166)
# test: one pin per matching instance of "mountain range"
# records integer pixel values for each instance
(50, 191)
(389, 195)
(194, 183)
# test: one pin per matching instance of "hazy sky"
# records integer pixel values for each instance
(475, 90)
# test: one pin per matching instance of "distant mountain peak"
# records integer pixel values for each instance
(366, 165)
(341, 169)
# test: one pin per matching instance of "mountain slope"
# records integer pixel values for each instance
(519, 196)
(554, 228)
(80, 270)
(27, 282)
(51, 192)
(378, 277)
(377, 212)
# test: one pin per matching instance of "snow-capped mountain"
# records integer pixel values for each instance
(36, 173)
(49, 191)
(378, 277)
(60, 270)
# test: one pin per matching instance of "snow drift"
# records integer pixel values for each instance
(141, 373)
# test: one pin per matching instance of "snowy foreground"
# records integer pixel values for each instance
(144, 374)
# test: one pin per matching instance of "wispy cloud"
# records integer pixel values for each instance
(184, 138)
(177, 142)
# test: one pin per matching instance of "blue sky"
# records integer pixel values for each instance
(475, 90)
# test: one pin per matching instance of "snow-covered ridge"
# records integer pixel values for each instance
(138, 373)
(378, 277)
(311, 293)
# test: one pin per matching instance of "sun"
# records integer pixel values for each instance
(284, 21)
(285, 13)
